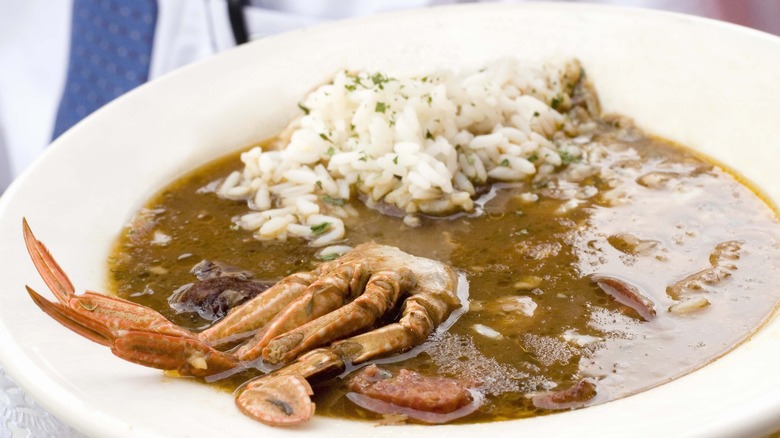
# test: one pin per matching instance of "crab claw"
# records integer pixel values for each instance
(134, 332)
(283, 400)
(112, 312)
(185, 354)
(79, 323)
(47, 267)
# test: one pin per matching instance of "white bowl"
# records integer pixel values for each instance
(709, 85)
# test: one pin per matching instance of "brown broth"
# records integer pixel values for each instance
(518, 248)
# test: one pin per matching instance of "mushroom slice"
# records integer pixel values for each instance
(627, 294)
(575, 396)
(689, 305)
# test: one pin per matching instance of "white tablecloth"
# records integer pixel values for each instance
(21, 417)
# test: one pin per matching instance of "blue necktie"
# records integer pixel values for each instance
(110, 51)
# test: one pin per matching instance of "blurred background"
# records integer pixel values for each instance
(39, 98)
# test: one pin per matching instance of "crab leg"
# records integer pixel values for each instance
(282, 401)
(301, 312)
(420, 316)
(83, 325)
(114, 312)
(47, 267)
(134, 332)
(382, 293)
(188, 356)
(283, 397)
(276, 399)
(323, 296)
(184, 353)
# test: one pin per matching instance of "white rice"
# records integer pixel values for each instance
(419, 144)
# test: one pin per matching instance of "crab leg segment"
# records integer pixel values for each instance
(188, 356)
(323, 296)
(179, 351)
(282, 401)
(50, 271)
(283, 397)
(419, 317)
(257, 312)
(78, 322)
(382, 293)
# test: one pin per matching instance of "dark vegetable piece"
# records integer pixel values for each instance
(576, 396)
(219, 288)
(723, 261)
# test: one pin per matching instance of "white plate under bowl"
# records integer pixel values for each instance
(709, 85)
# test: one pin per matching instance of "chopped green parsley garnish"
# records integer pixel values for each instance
(337, 202)
(380, 107)
(320, 228)
(557, 100)
(567, 158)
(504, 162)
(303, 108)
(379, 80)
(330, 151)
(325, 137)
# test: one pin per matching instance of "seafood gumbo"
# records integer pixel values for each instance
(571, 259)
(536, 320)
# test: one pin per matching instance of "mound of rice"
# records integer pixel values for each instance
(416, 144)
